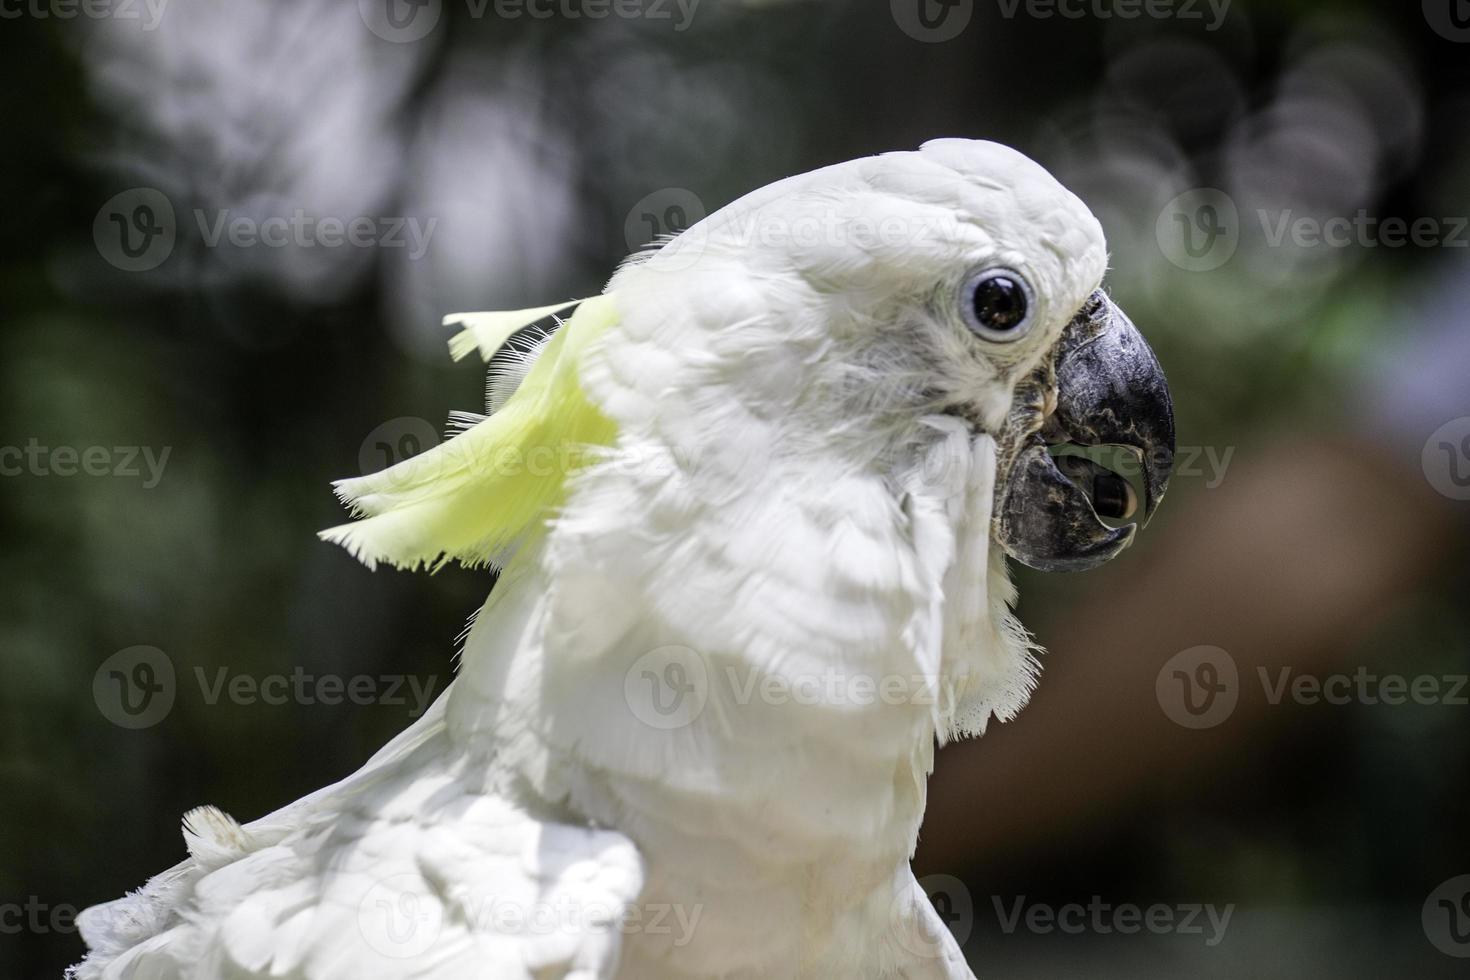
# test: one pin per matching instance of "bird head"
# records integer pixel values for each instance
(960, 280)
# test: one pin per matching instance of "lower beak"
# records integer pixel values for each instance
(1110, 391)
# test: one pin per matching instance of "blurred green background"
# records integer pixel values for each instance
(1323, 393)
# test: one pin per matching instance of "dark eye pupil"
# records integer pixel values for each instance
(1000, 303)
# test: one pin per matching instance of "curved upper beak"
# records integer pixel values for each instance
(1110, 391)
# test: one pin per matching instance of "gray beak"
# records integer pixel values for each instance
(1110, 391)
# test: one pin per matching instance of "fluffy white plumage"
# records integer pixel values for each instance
(792, 515)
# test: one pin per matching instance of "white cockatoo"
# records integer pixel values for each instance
(751, 506)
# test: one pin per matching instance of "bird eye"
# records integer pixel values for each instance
(997, 305)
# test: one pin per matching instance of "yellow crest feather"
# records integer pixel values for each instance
(490, 331)
(479, 495)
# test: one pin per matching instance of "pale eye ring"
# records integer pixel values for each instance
(997, 305)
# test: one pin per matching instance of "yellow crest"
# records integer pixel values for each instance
(479, 495)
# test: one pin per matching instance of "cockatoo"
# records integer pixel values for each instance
(751, 507)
